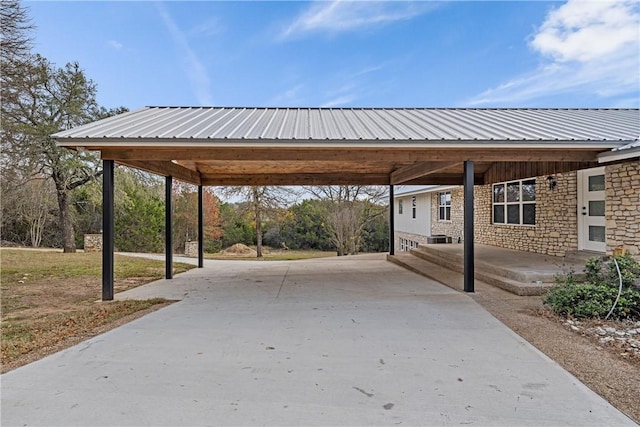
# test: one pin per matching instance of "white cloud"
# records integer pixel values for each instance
(196, 71)
(587, 30)
(114, 44)
(289, 97)
(342, 15)
(210, 27)
(340, 101)
(588, 48)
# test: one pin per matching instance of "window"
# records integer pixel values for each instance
(515, 202)
(406, 245)
(400, 207)
(413, 206)
(444, 206)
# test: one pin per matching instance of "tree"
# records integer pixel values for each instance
(43, 100)
(259, 201)
(236, 226)
(15, 26)
(350, 209)
(36, 207)
(185, 218)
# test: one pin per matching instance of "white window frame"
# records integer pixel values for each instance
(414, 207)
(520, 202)
(399, 206)
(446, 206)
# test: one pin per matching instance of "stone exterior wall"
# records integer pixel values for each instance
(93, 242)
(556, 227)
(623, 207)
(191, 249)
(455, 227)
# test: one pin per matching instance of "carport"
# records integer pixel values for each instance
(209, 146)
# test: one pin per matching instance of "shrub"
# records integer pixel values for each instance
(595, 297)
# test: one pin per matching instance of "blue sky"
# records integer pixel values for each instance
(349, 54)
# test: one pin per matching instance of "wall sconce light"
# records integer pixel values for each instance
(552, 182)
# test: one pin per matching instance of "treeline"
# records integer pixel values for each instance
(31, 219)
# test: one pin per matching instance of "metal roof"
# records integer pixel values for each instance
(635, 144)
(363, 124)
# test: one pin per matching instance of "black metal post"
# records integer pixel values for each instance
(469, 261)
(107, 230)
(168, 228)
(392, 241)
(200, 227)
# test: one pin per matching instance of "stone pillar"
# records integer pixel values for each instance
(93, 242)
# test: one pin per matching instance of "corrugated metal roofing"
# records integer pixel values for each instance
(635, 144)
(368, 124)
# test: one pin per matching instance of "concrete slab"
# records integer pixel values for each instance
(349, 341)
(519, 265)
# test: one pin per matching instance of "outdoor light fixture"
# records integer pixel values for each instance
(552, 182)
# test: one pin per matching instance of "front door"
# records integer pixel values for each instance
(591, 210)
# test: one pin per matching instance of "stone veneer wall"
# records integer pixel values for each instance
(191, 249)
(556, 227)
(623, 207)
(93, 242)
(455, 227)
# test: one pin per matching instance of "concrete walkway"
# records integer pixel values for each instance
(348, 341)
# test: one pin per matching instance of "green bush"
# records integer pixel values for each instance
(595, 297)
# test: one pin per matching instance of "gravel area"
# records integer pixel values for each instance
(603, 355)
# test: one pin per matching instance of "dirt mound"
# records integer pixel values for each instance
(239, 249)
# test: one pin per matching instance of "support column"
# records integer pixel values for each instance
(200, 227)
(168, 228)
(469, 261)
(107, 230)
(392, 241)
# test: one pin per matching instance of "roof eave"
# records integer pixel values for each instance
(97, 143)
(614, 156)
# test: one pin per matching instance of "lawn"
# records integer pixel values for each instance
(274, 255)
(50, 299)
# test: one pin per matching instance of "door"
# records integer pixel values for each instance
(591, 210)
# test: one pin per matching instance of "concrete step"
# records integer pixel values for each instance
(581, 257)
(456, 262)
(451, 274)
(428, 269)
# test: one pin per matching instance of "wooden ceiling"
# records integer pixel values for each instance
(341, 165)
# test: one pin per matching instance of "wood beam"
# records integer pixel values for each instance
(418, 170)
(445, 179)
(165, 168)
(507, 171)
(398, 155)
(297, 179)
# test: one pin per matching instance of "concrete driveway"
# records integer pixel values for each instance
(350, 341)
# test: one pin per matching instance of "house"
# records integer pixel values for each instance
(595, 209)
